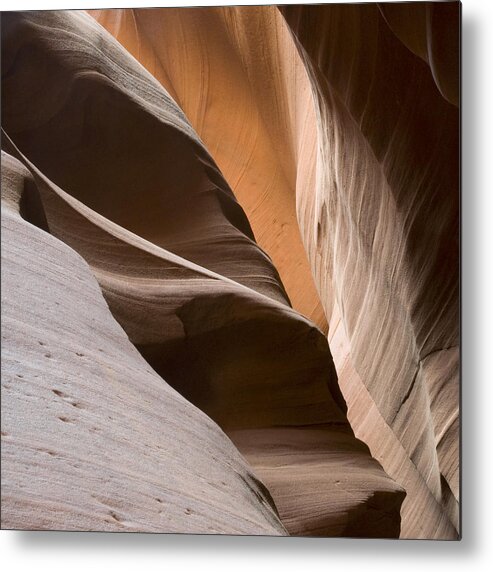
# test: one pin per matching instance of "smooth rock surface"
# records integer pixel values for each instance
(92, 437)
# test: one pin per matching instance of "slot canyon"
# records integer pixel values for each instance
(230, 270)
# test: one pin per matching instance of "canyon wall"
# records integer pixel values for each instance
(381, 229)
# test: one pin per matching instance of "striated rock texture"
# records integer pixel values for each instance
(381, 230)
(344, 119)
(122, 179)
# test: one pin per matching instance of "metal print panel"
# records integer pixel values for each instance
(230, 270)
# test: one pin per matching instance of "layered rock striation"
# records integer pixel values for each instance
(381, 230)
(172, 296)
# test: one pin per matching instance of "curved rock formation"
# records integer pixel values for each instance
(125, 182)
(92, 438)
(357, 111)
(431, 31)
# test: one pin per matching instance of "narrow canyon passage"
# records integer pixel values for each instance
(202, 302)
(237, 205)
